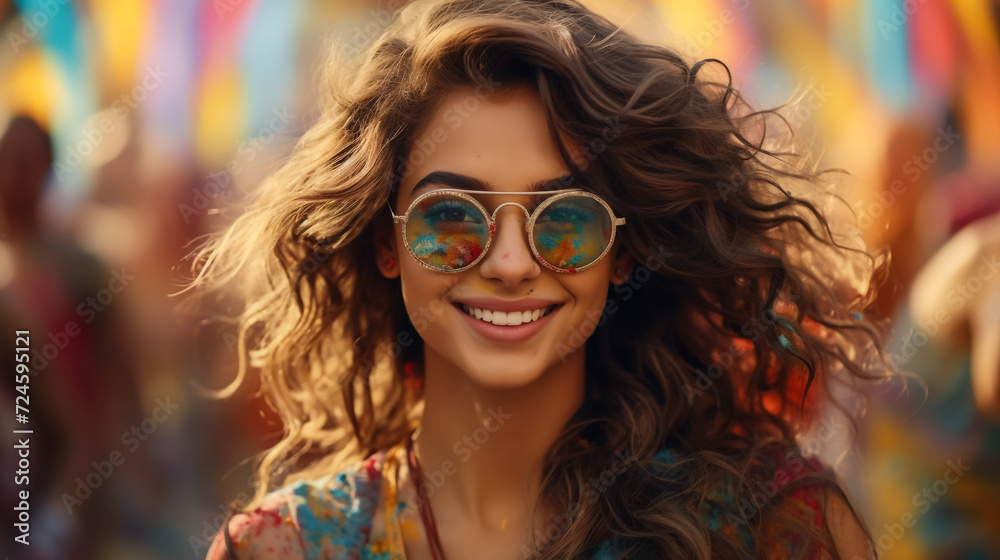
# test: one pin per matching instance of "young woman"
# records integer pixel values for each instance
(530, 288)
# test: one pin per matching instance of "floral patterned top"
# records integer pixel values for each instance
(355, 515)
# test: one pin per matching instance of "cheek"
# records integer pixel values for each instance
(590, 293)
(422, 289)
(590, 287)
(596, 303)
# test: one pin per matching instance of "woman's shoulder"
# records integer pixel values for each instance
(329, 515)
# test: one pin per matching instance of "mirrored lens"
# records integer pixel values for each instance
(446, 232)
(572, 232)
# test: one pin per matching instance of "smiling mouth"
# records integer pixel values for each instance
(506, 319)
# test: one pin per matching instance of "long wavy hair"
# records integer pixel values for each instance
(748, 314)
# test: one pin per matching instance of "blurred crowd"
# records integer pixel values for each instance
(132, 127)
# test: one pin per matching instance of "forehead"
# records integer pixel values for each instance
(501, 138)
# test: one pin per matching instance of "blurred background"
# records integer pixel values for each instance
(130, 126)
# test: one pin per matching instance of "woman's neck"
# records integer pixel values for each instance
(481, 449)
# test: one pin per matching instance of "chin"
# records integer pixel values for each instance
(503, 376)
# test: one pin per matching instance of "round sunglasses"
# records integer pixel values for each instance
(450, 231)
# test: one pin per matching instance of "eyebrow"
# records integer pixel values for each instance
(464, 182)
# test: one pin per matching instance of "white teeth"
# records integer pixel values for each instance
(504, 318)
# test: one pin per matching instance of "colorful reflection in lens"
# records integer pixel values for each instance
(572, 232)
(446, 232)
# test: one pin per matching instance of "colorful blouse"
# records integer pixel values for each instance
(355, 515)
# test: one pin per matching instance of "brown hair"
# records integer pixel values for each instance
(749, 301)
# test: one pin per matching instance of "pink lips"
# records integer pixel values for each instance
(498, 333)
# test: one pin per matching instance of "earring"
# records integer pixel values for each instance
(411, 379)
(390, 262)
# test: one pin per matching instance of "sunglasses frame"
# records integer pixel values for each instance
(528, 225)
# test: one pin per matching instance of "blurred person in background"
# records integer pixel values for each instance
(81, 390)
(935, 439)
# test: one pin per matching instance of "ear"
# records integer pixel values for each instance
(387, 248)
(622, 263)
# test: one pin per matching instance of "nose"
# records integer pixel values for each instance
(509, 258)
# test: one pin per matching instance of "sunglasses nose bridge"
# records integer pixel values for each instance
(509, 254)
(496, 212)
(523, 226)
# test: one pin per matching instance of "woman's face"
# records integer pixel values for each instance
(504, 143)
